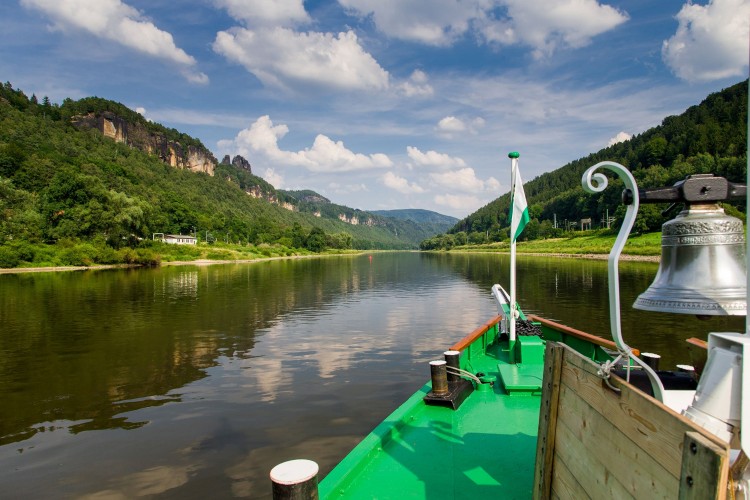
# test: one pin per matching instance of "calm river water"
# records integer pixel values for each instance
(193, 382)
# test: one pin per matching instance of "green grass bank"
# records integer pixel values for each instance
(583, 244)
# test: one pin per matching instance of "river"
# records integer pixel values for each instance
(194, 381)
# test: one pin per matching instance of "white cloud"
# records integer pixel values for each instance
(417, 85)
(465, 179)
(620, 137)
(337, 188)
(464, 203)
(283, 58)
(330, 156)
(543, 25)
(711, 41)
(121, 23)
(451, 126)
(546, 25)
(439, 24)
(433, 159)
(265, 13)
(274, 178)
(492, 184)
(400, 184)
(196, 117)
(325, 155)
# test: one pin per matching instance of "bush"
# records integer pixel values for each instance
(45, 255)
(127, 255)
(108, 255)
(284, 241)
(8, 257)
(218, 254)
(147, 257)
(82, 254)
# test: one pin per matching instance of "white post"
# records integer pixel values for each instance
(512, 332)
(295, 480)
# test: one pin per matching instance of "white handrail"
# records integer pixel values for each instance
(596, 183)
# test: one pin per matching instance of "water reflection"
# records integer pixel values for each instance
(575, 292)
(195, 381)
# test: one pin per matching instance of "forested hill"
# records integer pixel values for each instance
(417, 215)
(437, 223)
(708, 138)
(95, 171)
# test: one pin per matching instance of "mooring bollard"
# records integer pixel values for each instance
(295, 480)
(439, 377)
(651, 359)
(451, 358)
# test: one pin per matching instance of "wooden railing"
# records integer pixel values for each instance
(577, 333)
(466, 341)
(566, 330)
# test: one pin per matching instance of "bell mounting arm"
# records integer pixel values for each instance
(596, 182)
(696, 188)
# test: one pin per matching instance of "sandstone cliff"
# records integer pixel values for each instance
(173, 153)
(238, 161)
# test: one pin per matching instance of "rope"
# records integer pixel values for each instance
(459, 371)
(605, 369)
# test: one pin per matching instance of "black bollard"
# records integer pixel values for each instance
(439, 377)
(451, 359)
(651, 359)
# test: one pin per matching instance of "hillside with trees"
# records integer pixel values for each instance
(69, 195)
(707, 138)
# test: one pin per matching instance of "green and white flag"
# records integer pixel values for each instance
(519, 209)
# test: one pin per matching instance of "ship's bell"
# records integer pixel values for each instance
(703, 266)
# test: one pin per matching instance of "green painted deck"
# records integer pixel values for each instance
(485, 449)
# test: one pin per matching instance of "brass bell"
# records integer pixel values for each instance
(703, 266)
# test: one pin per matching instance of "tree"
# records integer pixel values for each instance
(316, 240)
(477, 237)
(655, 150)
(298, 236)
(123, 218)
(12, 156)
(460, 238)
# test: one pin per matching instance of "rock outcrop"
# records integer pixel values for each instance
(258, 192)
(240, 162)
(314, 198)
(195, 159)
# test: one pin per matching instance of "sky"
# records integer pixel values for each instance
(385, 104)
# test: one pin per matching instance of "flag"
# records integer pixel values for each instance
(519, 209)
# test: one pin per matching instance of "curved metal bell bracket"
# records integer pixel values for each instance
(596, 182)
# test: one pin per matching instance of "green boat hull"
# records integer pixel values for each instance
(484, 449)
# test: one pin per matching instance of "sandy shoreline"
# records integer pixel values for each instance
(596, 256)
(198, 262)
(208, 262)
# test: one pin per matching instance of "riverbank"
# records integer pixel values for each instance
(591, 256)
(210, 262)
(582, 245)
(82, 256)
(197, 262)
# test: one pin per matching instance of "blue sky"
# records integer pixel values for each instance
(384, 104)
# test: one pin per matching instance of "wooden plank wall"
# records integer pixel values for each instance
(597, 443)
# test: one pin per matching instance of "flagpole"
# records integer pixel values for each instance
(512, 333)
